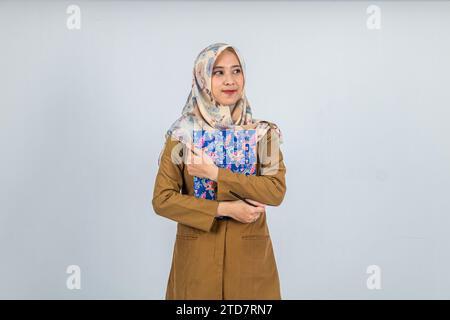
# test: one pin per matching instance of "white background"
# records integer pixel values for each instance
(364, 115)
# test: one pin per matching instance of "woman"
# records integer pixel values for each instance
(223, 248)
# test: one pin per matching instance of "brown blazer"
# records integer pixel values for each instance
(218, 259)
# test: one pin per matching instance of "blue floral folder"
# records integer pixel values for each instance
(234, 150)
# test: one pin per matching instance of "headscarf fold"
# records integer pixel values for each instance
(202, 112)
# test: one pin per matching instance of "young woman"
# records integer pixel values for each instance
(223, 248)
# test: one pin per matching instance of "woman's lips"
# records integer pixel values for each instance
(229, 92)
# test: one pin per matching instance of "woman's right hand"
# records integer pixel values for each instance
(241, 211)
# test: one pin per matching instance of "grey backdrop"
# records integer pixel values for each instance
(364, 115)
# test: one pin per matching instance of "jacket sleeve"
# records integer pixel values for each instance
(268, 187)
(170, 203)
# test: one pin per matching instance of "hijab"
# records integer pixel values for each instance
(202, 112)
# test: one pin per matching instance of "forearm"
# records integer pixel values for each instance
(195, 212)
(266, 189)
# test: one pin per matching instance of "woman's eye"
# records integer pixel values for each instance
(219, 72)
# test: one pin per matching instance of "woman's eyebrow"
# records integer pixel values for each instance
(217, 67)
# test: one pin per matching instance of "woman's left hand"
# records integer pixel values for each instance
(199, 164)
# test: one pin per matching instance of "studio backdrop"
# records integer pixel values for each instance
(360, 91)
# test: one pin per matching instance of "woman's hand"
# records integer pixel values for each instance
(240, 211)
(199, 164)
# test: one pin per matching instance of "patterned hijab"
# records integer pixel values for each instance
(202, 112)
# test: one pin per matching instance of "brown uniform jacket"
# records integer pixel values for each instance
(219, 259)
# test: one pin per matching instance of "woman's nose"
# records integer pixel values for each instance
(229, 80)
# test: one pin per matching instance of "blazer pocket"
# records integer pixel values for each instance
(255, 237)
(185, 251)
(255, 247)
(187, 236)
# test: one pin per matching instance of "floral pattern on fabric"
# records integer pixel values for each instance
(234, 150)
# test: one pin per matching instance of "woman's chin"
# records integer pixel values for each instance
(228, 101)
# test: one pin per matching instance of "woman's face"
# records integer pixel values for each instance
(227, 79)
